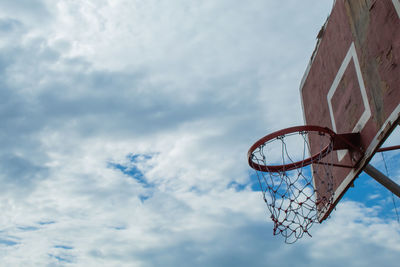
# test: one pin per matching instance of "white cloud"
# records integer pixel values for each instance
(352, 234)
(189, 86)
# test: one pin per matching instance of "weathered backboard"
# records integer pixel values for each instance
(352, 83)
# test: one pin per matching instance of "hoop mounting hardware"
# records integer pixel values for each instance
(289, 186)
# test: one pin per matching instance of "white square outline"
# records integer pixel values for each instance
(351, 54)
(396, 4)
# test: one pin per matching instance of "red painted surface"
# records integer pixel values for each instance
(347, 100)
(374, 28)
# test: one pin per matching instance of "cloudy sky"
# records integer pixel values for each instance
(125, 126)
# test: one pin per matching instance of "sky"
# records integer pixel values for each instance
(125, 127)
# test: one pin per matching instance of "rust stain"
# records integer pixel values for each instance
(379, 60)
(372, 6)
(389, 54)
(385, 87)
(358, 17)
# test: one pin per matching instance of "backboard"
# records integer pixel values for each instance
(352, 83)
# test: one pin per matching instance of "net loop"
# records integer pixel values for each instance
(289, 186)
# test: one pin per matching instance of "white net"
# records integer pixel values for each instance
(290, 192)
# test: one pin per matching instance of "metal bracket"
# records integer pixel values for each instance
(350, 141)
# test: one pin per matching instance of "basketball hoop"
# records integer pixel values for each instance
(288, 186)
(304, 171)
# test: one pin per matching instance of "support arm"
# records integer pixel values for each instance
(383, 179)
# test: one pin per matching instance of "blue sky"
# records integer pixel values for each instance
(125, 127)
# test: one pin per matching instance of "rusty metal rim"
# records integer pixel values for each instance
(283, 132)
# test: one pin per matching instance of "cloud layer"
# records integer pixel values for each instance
(125, 126)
